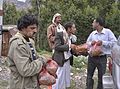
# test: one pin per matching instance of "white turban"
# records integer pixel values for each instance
(56, 15)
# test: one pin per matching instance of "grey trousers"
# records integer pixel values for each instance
(98, 62)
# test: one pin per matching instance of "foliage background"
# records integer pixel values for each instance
(81, 12)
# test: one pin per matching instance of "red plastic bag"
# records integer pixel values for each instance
(52, 67)
(45, 78)
(50, 87)
(95, 50)
(110, 67)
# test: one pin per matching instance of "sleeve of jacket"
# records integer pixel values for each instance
(25, 66)
(59, 43)
(50, 35)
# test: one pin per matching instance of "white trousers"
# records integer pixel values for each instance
(63, 77)
(116, 75)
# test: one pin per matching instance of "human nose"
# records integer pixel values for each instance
(35, 30)
(75, 29)
(92, 24)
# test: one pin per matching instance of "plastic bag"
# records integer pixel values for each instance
(52, 67)
(95, 50)
(110, 67)
(83, 48)
(49, 87)
(45, 78)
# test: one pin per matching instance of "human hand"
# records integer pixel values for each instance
(73, 46)
(45, 59)
(99, 43)
(93, 43)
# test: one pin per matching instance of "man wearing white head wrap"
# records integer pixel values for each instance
(54, 18)
(63, 72)
(52, 29)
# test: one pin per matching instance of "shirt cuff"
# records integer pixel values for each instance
(69, 46)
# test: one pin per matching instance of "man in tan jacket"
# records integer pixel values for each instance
(23, 60)
(51, 30)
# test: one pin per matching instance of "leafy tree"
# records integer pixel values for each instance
(81, 12)
(11, 14)
(113, 19)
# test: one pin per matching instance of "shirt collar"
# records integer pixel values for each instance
(102, 32)
(21, 36)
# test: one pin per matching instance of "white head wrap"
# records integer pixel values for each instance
(56, 15)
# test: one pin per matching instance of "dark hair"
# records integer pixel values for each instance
(101, 21)
(68, 25)
(26, 21)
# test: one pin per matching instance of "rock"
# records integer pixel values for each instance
(0, 69)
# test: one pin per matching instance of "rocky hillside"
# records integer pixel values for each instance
(20, 5)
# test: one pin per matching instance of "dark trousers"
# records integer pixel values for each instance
(98, 62)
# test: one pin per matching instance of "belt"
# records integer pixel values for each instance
(98, 56)
(66, 60)
(102, 55)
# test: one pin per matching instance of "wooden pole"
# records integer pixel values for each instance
(1, 23)
(37, 39)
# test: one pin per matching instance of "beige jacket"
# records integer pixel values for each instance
(51, 30)
(24, 70)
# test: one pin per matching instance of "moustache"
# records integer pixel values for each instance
(34, 33)
(60, 20)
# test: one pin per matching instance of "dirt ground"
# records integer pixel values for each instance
(78, 77)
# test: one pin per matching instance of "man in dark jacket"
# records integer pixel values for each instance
(62, 55)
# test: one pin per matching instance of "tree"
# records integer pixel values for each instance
(81, 12)
(11, 14)
(113, 19)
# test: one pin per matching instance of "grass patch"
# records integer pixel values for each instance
(3, 84)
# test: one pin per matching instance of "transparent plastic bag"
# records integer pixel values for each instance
(52, 67)
(110, 67)
(83, 48)
(95, 50)
(45, 78)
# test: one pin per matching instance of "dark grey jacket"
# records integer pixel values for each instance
(60, 47)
